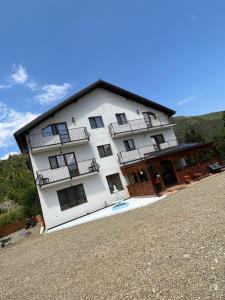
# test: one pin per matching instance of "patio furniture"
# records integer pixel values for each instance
(199, 175)
(216, 168)
(42, 180)
(187, 179)
(30, 222)
(5, 242)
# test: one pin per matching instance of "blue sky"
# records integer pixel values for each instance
(172, 52)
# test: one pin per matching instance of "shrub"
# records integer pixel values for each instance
(12, 216)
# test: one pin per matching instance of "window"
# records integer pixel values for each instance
(121, 119)
(104, 150)
(62, 160)
(134, 178)
(149, 115)
(143, 175)
(57, 129)
(159, 138)
(129, 145)
(114, 179)
(96, 122)
(72, 196)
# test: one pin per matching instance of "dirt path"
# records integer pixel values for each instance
(173, 249)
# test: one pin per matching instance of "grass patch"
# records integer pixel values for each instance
(12, 216)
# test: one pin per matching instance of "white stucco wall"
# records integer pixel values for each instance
(97, 103)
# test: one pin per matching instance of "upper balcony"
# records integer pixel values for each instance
(38, 142)
(139, 125)
(53, 176)
(142, 153)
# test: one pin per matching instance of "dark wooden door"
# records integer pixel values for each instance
(168, 173)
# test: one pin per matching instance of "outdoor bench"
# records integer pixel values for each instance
(5, 242)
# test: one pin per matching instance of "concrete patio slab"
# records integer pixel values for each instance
(130, 204)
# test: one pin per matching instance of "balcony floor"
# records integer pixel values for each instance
(67, 180)
(57, 146)
(151, 129)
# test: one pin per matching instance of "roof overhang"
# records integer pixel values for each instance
(20, 134)
(179, 149)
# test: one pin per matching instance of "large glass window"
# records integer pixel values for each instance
(57, 129)
(104, 150)
(121, 119)
(114, 179)
(62, 160)
(129, 145)
(72, 196)
(159, 138)
(96, 122)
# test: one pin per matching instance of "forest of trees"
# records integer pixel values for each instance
(16, 179)
(16, 184)
(203, 129)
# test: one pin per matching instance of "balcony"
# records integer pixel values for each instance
(139, 125)
(126, 157)
(37, 142)
(48, 176)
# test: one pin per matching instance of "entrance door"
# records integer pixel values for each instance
(71, 162)
(148, 116)
(168, 173)
(62, 131)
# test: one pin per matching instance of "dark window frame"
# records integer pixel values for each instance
(119, 184)
(149, 113)
(119, 119)
(127, 146)
(66, 200)
(64, 158)
(54, 128)
(96, 125)
(104, 151)
(156, 140)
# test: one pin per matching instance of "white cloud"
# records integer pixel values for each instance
(19, 76)
(5, 86)
(186, 100)
(6, 156)
(10, 121)
(52, 92)
(32, 85)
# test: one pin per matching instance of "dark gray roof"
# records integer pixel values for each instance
(178, 148)
(20, 134)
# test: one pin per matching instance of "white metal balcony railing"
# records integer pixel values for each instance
(144, 152)
(48, 176)
(138, 125)
(37, 140)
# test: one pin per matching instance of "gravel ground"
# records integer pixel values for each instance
(172, 249)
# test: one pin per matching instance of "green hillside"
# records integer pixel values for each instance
(210, 125)
(203, 128)
(16, 184)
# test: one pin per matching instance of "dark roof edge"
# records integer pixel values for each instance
(97, 84)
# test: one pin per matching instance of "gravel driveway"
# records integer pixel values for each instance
(172, 249)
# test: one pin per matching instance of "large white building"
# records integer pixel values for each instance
(83, 146)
